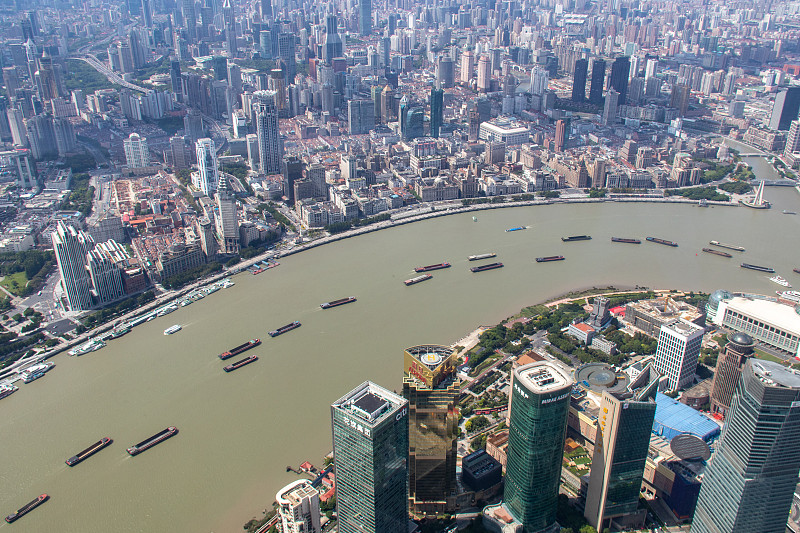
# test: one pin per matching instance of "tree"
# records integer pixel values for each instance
(587, 529)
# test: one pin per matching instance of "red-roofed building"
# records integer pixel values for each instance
(582, 332)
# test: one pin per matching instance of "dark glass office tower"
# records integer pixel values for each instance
(364, 17)
(598, 81)
(620, 71)
(370, 448)
(750, 480)
(579, 80)
(437, 111)
(785, 109)
(536, 443)
(432, 391)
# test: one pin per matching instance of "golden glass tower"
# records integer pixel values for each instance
(432, 391)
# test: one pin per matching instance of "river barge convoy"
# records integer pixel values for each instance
(418, 279)
(337, 303)
(240, 363)
(490, 266)
(728, 246)
(717, 252)
(577, 238)
(662, 241)
(27, 508)
(549, 258)
(428, 268)
(759, 268)
(88, 452)
(283, 329)
(626, 241)
(252, 343)
(158, 438)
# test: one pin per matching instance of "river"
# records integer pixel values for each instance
(239, 431)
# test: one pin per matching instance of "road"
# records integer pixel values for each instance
(112, 76)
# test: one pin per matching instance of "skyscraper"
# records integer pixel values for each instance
(620, 454)
(364, 17)
(730, 363)
(287, 51)
(598, 81)
(445, 73)
(71, 246)
(105, 274)
(437, 111)
(751, 478)
(792, 139)
(270, 148)
(333, 41)
(537, 431)
(189, 20)
(229, 18)
(539, 81)
(785, 109)
(579, 80)
(484, 74)
(370, 447)
(432, 391)
(677, 352)
(620, 74)
(467, 66)
(610, 108)
(227, 221)
(208, 175)
(561, 135)
(298, 507)
(360, 116)
(137, 154)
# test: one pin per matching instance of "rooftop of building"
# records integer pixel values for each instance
(674, 418)
(431, 355)
(775, 374)
(666, 308)
(543, 377)
(295, 492)
(370, 403)
(683, 327)
(776, 314)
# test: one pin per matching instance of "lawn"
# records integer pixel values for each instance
(768, 357)
(15, 282)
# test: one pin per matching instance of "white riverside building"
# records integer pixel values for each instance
(270, 148)
(208, 176)
(137, 153)
(71, 247)
(773, 323)
(103, 263)
(677, 352)
(298, 507)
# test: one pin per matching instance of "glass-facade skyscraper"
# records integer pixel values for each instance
(370, 449)
(579, 80)
(750, 480)
(598, 81)
(432, 391)
(618, 80)
(537, 432)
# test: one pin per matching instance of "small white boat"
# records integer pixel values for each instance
(172, 329)
(474, 219)
(780, 281)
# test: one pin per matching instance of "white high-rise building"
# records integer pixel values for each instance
(677, 352)
(298, 507)
(467, 66)
(137, 153)
(539, 80)
(103, 263)
(207, 178)
(270, 147)
(71, 246)
(227, 222)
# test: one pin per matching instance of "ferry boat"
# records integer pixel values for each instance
(240, 363)
(627, 241)
(518, 228)
(577, 238)
(167, 310)
(728, 246)
(90, 346)
(717, 252)
(759, 268)
(252, 343)
(780, 281)
(283, 329)
(549, 258)
(337, 303)
(418, 279)
(481, 256)
(490, 266)
(41, 367)
(662, 241)
(119, 332)
(88, 452)
(432, 267)
(757, 202)
(187, 301)
(793, 296)
(29, 377)
(474, 219)
(7, 389)
(173, 329)
(27, 508)
(159, 437)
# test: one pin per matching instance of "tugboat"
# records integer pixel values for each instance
(337, 303)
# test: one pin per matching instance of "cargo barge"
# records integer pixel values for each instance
(240, 363)
(728, 246)
(432, 267)
(662, 241)
(252, 343)
(283, 329)
(337, 303)
(159, 437)
(88, 452)
(412, 281)
(27, 508)
(717, 252)
(481, 256)
(627, 241)
(549, 258)
(577, 238)
(490, 266)
(759, 268)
